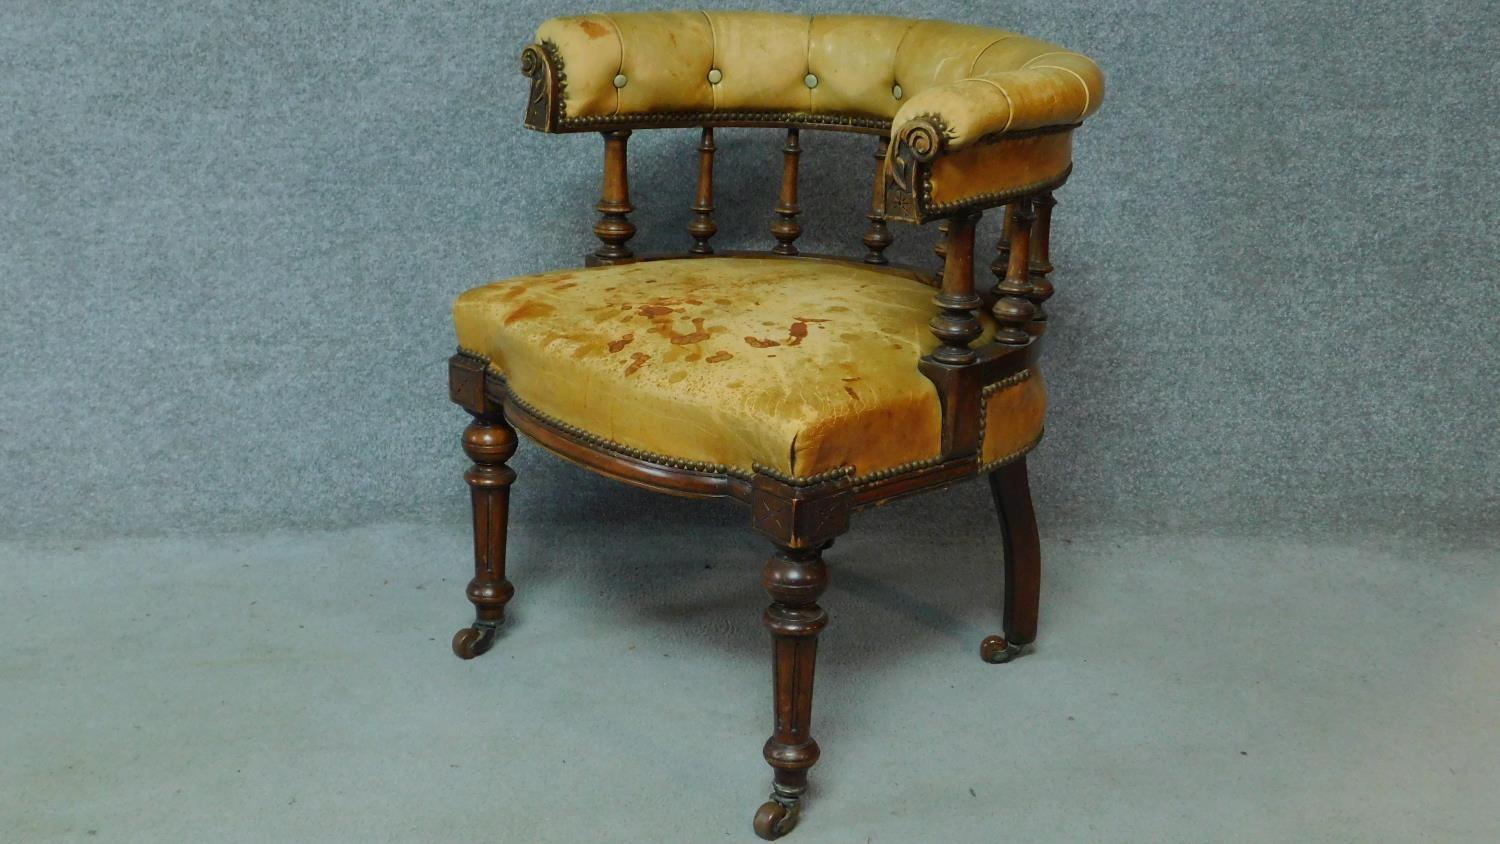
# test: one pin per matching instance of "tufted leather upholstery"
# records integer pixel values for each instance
(979, 80)
(798, 365)
(1004, 99)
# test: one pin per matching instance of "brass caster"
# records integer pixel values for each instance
(473, 641)
(996, 650)
(775, 819)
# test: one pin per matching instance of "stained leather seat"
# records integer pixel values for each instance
(800, 366)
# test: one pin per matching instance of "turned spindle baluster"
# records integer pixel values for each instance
(1041, 253)
(1012, 307)
(956, 324)
(786, 229)
(614, 229)
(703, 226)
(1001, 265)
(878, 236)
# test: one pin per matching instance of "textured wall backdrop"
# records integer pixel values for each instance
(230, 233)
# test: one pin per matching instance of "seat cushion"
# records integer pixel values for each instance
(801, 366)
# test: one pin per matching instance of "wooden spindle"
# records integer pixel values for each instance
(878, 236)
(1012, 307)
(703, 226)
(1041, 253)
(786, 229)
(1001, 265)
(614, 229)
(940, 249)
(956, 325)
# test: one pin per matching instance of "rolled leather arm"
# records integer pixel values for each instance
(1053, 89)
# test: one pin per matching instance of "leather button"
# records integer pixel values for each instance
(897, 92)
(810, 81)
(715, 77)
(620, 81)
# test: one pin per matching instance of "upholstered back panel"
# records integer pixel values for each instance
(867, 68)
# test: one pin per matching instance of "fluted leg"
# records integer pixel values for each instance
(489, 441)
(1023, 562)
(794, 578)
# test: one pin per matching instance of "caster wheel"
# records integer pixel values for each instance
(774, 820)
(997, 651)
(473, 641)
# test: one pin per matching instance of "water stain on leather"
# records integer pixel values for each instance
(655, 310)
(850, 390)
(798, 331)
(698, 335)
(758, 343)
(637, 361)
(718, 357)
(528, 310)
(593, 30)
(617, 345)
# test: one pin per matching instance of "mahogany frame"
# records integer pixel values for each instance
(800, 516)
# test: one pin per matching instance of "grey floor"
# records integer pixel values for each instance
(299, 687)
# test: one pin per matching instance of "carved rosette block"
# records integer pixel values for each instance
(785, 228)
(1012, 306)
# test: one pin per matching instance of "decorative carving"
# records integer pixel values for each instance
(703, 226)
(786, 229)
(803, 516)
(542, 64)
(878, 236)
(1012, 307)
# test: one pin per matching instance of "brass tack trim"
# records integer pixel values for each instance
(1012, 457)
(984, 416)
(809, 480)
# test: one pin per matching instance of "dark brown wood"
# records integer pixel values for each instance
(489, 442)
(786, 229)
(794, 578)
(1001, 265)
(1023, 562)
(940, 249)
(1012, 307)
(703, 226)
(1041, 254)
(614, 228)
(956, 325)
(878, 236)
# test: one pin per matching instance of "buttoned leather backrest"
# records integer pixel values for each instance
(976, 116)
(859, 68)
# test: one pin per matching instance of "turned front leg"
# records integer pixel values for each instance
(489, 441)
(794, 578)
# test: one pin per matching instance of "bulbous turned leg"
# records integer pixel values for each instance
(489, 441)
(1023, 563)
(794, 578)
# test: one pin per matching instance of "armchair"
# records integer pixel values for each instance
(806, 387)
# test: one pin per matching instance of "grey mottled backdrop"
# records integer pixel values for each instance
(230, 232)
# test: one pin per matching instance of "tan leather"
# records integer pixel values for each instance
(799, 365)
(979, 81)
